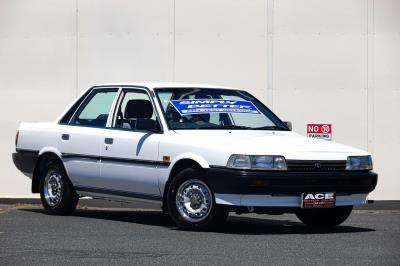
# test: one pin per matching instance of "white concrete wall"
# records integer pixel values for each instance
(310, 60)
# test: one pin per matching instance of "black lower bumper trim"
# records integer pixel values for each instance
(25, 161)
(232, 181)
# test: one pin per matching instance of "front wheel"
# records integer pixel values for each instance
(56, 191)
(324, 218)
(191, 203)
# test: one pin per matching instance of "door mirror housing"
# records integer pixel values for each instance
(288, 124)
(155, 130)
(157, 127)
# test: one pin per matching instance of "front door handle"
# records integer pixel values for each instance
(65, 136)
(108, 141)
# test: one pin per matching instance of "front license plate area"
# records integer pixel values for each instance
(318, 200)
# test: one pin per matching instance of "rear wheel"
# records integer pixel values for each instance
(56, 191)
(324, 218)
(191, 203)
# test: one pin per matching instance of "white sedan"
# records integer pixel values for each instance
(199, 151)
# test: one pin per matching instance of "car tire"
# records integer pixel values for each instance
(57, 194)
(324, 218)
(191, 203)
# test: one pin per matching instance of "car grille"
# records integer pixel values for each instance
(315, 166)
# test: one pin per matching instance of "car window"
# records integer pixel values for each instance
(202, 108)
(252, 121)
(68, 115)
(95, 112)
(213, 118)
(165, 98)
(135, 112)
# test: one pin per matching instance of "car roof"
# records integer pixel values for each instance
(153, 85)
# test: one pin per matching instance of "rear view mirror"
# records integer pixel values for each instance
(288, 124)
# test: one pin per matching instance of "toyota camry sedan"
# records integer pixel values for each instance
(199, 151)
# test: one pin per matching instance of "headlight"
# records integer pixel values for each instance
(359, 163)
(264, 162)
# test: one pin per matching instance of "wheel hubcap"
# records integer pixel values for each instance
(53, 188)
(194, 200)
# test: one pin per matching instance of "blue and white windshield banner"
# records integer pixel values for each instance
(205, 106)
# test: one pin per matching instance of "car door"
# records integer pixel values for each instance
(129, 155)
(81, 140)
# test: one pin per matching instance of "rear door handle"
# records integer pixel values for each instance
(65, 136)
(109, 141)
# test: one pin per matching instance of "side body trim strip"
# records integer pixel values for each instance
(115, 159)
(119, 193)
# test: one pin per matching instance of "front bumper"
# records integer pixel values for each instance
(283, 189)
(282, 201)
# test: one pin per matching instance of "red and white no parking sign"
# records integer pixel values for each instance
(319, 131)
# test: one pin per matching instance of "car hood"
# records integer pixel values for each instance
(261, 142)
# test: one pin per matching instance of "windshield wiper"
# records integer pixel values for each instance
(269, 128)
(225, 127)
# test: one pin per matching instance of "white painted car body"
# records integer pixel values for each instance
(134, 166)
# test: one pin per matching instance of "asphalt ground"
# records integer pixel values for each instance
(130, 235)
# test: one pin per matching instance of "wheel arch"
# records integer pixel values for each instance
(179, 165)
(46, 154)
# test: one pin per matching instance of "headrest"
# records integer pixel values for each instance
(138, 109)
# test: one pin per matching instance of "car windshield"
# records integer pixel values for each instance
(200, 108)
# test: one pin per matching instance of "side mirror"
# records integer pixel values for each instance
(288, 124)
(156, 129)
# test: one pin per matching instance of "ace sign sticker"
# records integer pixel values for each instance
(318, 200)
(319, 131)
(204, 106)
